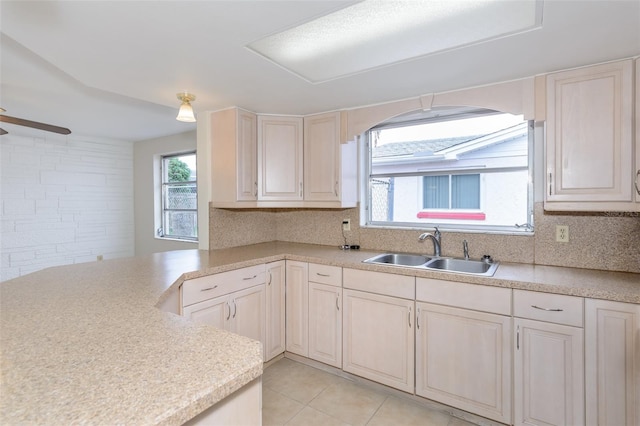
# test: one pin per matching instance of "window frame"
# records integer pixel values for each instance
(366, 187)
(163, 209)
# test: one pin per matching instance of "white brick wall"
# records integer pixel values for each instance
(64, 200)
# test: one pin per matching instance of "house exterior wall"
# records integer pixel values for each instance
(64, 199)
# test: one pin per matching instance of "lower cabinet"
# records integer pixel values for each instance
(297, 305)
(240, 312)
(612, 361)
(275, 310)
(549, 359)
(378, 340)
(325, 314)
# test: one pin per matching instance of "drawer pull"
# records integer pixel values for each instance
(209, 288)
(547, 309)
(249, 278)
(322, 275)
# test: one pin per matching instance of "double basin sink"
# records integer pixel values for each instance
(485, 267)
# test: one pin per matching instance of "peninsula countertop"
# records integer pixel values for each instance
(86, 343)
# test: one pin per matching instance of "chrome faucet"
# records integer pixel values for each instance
(436, 237)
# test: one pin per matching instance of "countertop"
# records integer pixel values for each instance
(87, 343)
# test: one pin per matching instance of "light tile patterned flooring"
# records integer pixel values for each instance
(297, 394)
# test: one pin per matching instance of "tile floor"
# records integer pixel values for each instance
(297, 394)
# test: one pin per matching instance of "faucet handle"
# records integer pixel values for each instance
(437, 232)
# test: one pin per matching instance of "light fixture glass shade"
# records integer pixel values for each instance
(186, 113)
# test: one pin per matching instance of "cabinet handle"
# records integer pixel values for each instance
(209, 288)
(235, 308)
(550, 180)
(249, 278)
(337, 298)
(518, 338)
(322, 275)
(270, 277)
(229, 313)
(636, 182)
(335, 188)
(418, 319)
(256, 190)
(409, 317)
(301, 189)
(547, 309)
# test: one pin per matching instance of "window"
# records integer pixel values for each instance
(179, 197)
(457, 169)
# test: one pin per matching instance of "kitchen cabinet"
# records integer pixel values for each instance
(233, 301)
(325, 314)
(280, 158)
(233, 156)
(636, 181)
(297, 306)
(548, 359)
(463, 356)
(612, 361)
(378, 327)
(589, 139)
(275, 311)
(330, 167)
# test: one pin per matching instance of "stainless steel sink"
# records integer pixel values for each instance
(445, 264)
(399, 259)
(463, 266)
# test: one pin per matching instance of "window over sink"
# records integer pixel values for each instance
(179, 200)
(455, 168)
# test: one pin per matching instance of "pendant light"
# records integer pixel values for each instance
(186, 110)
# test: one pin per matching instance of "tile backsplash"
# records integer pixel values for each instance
(596, 241)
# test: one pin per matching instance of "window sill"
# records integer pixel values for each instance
(176, 239)
(452, 215)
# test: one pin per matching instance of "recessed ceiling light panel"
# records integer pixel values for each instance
(375, 33)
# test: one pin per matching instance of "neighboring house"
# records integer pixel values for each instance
(483, 193)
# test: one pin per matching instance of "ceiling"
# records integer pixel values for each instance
(111, 69)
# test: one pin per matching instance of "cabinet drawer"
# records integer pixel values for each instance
(468, 296)
(204, 288)
(555, 308)
(325, 274)
(378, 282)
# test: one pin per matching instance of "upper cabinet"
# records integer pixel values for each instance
(280, 161)
(280, 158)
(590, 162)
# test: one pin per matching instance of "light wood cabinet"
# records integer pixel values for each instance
(233, 156)
(612, 361)
(297, 305)
(241, 312)
(589, 139)
(275, 311)
(330, 167)
(325, 314)
(548, 359)
(280, 158)
(463, 356)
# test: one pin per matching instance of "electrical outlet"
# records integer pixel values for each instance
(562, 233)
(346, 225)
(99, 257)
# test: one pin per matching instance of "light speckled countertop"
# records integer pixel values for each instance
(85, 343)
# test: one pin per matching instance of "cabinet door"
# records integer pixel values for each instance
(215, 312)
(589, 138)
(463, 359)
(247, 153)
(297, 303)
(247, 316)
(548, 373)
(378, 338)
(325, 324)
(280, 158)
(275, 311)
(636, 180)
(322, 157)
(612, 358)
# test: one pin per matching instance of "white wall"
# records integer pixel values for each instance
(147, 155)
(64, 200)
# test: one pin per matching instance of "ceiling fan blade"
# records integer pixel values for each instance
(3, 131)
(35, 125)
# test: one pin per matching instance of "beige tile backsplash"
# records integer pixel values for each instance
(596, 241)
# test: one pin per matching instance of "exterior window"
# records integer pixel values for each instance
(456, 169)
(179, 197)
